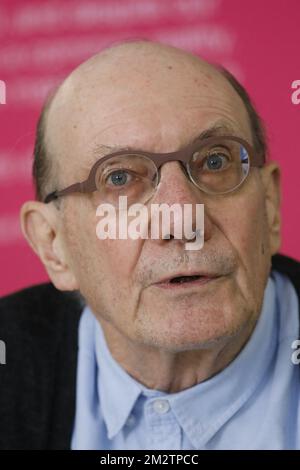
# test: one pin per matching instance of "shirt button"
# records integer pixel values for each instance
(161, 406)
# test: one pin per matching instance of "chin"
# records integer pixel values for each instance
(185, 332)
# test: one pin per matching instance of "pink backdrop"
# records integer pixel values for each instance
(41, 41)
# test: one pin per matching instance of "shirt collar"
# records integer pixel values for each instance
(117, 390)
(202, 409)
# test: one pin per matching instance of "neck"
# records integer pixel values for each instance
(168, 371)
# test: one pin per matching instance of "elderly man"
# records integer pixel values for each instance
(140, 343)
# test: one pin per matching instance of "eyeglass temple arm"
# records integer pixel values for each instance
(76, 187)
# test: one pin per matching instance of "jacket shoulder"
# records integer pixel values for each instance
(39, 301)
(289, 267)
(39, 326)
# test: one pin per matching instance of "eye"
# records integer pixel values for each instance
(216, 161)
(118, 178)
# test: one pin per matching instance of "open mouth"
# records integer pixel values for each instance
(185, 281)
(182, 279)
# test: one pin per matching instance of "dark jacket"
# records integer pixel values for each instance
(38, 382)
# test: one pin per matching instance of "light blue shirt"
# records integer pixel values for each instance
(254, 403)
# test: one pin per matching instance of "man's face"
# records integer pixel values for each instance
(161, 104)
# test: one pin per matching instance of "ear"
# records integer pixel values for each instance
(40, 225)
(271, 180)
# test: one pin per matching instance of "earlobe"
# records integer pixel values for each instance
(40, 227)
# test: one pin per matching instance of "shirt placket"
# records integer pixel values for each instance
(163, 430)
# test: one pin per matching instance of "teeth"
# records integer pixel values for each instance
(181, 279)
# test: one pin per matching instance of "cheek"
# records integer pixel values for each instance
(243, 221)
(116, 258)
(103, 268)
(92, 257)
(245, 227)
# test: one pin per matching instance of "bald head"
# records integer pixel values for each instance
(127, 86)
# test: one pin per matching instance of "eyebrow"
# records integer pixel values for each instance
(217, 129)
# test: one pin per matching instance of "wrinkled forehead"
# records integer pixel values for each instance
(142, 99)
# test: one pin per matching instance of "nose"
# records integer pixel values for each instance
(176, 188)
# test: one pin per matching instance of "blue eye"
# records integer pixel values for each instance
(119, 178)
(216, 161)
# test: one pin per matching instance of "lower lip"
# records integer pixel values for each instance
(186, 285)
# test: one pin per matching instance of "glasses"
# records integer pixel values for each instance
(215, 165)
